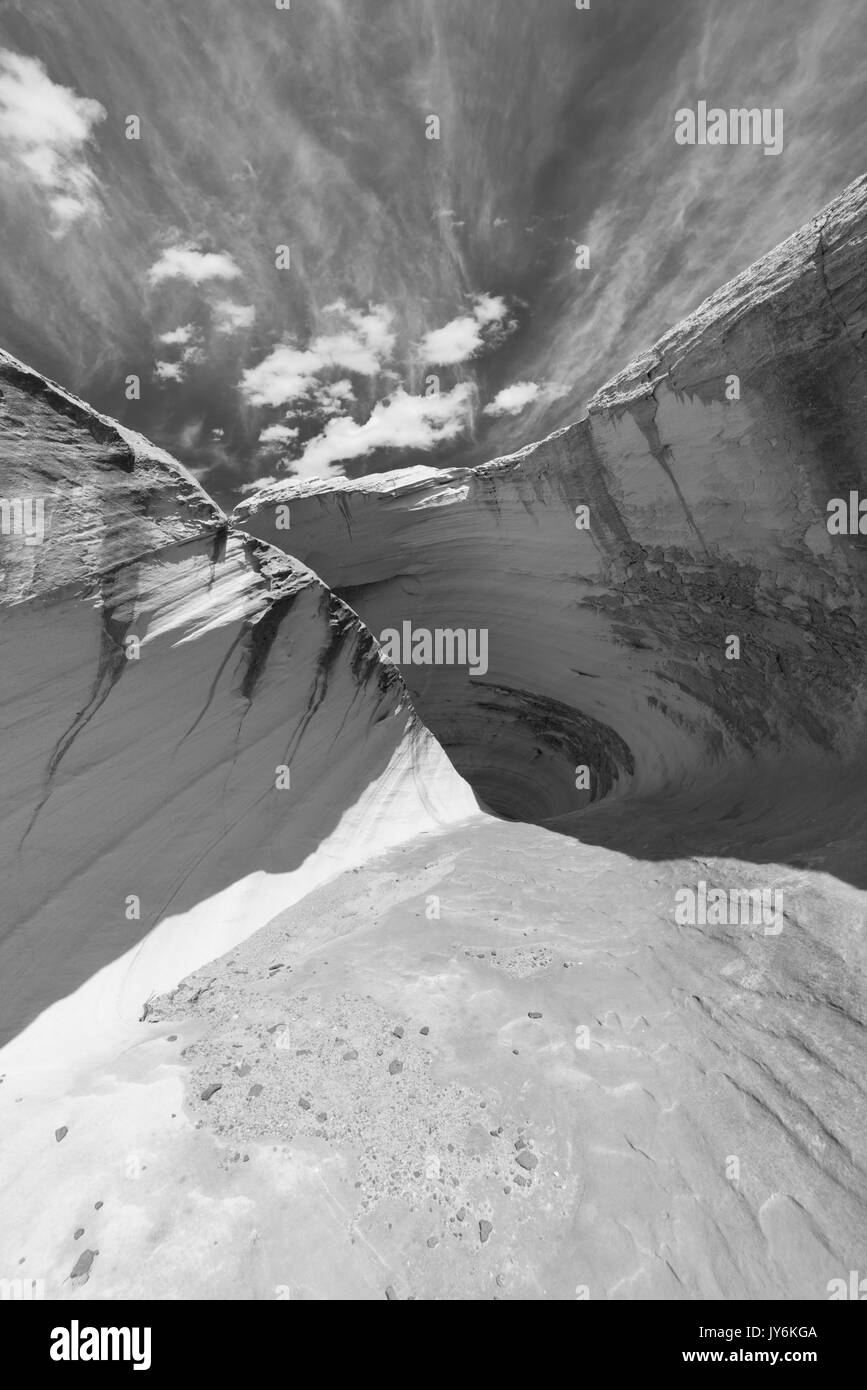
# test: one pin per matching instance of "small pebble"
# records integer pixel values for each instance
(398, 1032)
(305, 1104)
(527, 1159)
(97, 1206)
(79, 1233)
(351, 1056)
(424, 1032)
(534, 1015)
(61, 1133)
(485, 1229)
(212, 1090)
(390, 1294)
(395, 1067)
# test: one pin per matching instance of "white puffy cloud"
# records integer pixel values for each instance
(456, 342)
(464, 337)
(277, 434)
(178, 337)
(489, 309)
(177, 371)
(229, 316)
(197, 267)
(362, 344)
(44, 131)
(513, 399)
(400, 422)
(169, 371)
(285, 375)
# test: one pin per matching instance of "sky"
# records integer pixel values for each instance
(348, 236)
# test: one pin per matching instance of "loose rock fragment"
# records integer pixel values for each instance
(83, 1265)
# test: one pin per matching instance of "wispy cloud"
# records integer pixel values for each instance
(45, 129)
(563, 135)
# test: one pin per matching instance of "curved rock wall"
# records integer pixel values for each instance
(707, 468)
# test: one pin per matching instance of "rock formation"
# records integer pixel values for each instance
(706, 518)
(287, 1015)
(160, 668)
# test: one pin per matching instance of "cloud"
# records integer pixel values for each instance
(44, 131)
(362, 345)
(277, 434)
(188, 263)
(513, 399)
(333, 396)
(285, 375)
(256, 485)
(229, 316)
(400, 422)
(456, 342)
(490, 309)
(463, 337)
(169, 371)
(178, 337)
(177, 371)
